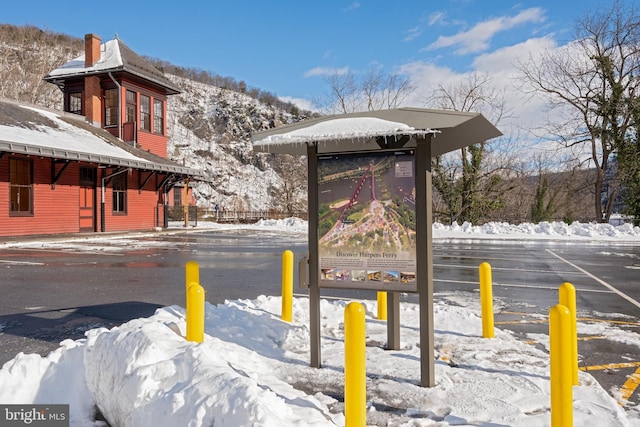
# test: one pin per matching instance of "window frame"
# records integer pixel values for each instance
(20, 186)
(131, 106)
(158, 117)
(119, 186)
(145, 112)
(75, 103)
(111, 107)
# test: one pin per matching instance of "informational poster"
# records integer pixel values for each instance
(367, 221)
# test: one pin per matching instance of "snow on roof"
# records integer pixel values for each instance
(114, 56)
(343, 129)
(45, 133)
(373, 130)
(63, 137)
(110, 58)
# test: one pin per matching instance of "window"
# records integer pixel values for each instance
(119, 183)
(88, 176)
(145, 112)
(177, 196)
(75, 103)
(111, 107)
(21, 187)
(158, 117)
(132, 103)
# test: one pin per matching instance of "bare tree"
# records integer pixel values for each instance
(466, 185)
(591, 85)
(373, 90)
(26, 55)
(289, 197)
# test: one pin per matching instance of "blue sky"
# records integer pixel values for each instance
(287, 47)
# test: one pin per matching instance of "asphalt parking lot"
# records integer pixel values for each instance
(526, 279)
(58, 289)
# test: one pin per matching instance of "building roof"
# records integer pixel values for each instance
(115, 56)
(40, 132)
(368, 131)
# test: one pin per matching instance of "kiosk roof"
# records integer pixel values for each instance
(361, 131)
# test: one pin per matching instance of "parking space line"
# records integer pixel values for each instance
(595, 337)
(610, 366)
(630, 386)
(597, 279)
(520, 270)
(14, 262)
(519, 322)
(615, 322)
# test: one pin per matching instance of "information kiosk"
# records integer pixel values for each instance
(369, 190)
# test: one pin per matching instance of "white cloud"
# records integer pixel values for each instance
(301, 103)
(413, 33)
(477, 38)
(436, 18)
(425, 77)
(353, 6)
(528, 112)
(326, 71)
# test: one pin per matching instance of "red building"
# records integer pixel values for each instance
(102, 164)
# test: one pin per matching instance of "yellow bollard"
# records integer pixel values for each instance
(287, 285)
(195, 313)
(355, 371)
(486, 300)
(382, 305)
(192, 273)
(567, 297)
(560, 367)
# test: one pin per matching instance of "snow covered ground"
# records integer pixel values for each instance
(253, 368)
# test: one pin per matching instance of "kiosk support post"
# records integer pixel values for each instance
(314, 288)
(424, 259)
(393, 321)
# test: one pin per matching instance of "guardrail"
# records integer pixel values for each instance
(176, 213)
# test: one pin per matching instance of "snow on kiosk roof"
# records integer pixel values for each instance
(371, 130)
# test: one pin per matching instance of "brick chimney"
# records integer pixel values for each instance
(92, 89)
(91, 49)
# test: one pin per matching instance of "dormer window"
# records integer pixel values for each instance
(110, 107)
(158, 117)
(132, 109)
(145, 113)
(75, 103)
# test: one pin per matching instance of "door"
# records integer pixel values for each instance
(87, 205)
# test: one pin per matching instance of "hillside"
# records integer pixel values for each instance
(211, 121)
(209, 128)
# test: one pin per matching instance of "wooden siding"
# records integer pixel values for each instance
(56, 209)
(156, 144)
(142, 207)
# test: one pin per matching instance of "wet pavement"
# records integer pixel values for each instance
(54, 290)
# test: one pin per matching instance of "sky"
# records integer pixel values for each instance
(252, 369)
(289, 47)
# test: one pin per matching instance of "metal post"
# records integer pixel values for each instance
(355, 369)
(393, 321)
(560, 366)
(424, 261)
(287, 286)
(314, 288)
(486, 300)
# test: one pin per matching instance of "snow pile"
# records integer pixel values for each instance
(545, 230)
(581, 232)
(253, 370)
